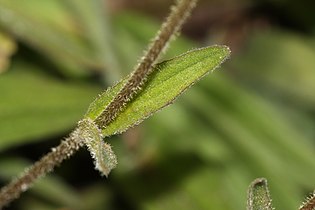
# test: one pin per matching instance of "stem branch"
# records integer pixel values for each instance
(75, 141)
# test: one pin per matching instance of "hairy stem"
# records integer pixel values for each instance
(170, 27)
(43, 166)
(75, 141)
(309, 204)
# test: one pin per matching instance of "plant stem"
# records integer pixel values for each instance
(43, 166)
(309, 204)
(75, 141)
(170, 27)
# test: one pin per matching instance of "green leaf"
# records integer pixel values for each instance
(104, 157)
(168, 81)
(96, 24)
(57, 38)
(275, 72)
(241, 118)
(258, 196)
(35, 105)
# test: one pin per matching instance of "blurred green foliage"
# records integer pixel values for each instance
(254, 118)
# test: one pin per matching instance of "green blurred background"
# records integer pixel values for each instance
(255, 117)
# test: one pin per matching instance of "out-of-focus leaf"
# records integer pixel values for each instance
(278, 134)
(51, 12)
(96, 23)
(235, 177)
(285, 72)
(96, 197)
(266, 150)
(36, 204)
(34, 105)
(58, 42)
(174, 133)
(184, 185)
(7, 48)
(170, 78)
(191, 193)
(133, 38)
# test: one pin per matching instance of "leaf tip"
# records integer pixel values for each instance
(225, 52)
(258, 195)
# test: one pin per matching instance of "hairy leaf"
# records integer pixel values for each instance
(258, 196)
(168, 81)
(104, 158)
